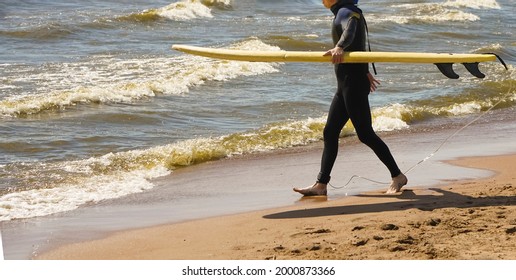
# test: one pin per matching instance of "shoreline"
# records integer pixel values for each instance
(465, 219)
(249, 183)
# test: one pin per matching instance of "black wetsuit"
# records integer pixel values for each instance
(351, 101)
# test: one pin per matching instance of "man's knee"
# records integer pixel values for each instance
(330, 134)
(367, 136)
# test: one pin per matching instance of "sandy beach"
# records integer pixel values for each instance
(467, 219)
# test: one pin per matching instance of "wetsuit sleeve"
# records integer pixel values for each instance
(348, 24)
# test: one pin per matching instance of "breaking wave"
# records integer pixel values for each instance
(111, 80)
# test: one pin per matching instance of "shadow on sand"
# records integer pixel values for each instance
(407, 200)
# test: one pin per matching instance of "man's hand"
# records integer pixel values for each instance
(337, 55)
(374, 82)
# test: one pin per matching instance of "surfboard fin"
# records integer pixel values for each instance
(473, 69)
(447, 70)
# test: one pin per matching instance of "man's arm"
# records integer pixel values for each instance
(349, 25)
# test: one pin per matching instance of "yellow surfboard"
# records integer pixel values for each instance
(444, 61)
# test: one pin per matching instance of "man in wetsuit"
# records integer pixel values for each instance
(351, 101)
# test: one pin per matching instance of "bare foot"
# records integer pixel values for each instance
(397, 183)
(315, 190)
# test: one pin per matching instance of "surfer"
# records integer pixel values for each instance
(351, 101)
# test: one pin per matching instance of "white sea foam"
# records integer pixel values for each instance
(389, 118)
(41, 202)
(110, 80)
(190, 9)
(475, 4)
(216, 3)
(429, 13)
(118, 174)
(465, 108)
(185, 10)
(492, 47)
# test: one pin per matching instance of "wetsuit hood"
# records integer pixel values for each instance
(335, 8)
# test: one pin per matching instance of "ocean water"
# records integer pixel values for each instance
(95, 105)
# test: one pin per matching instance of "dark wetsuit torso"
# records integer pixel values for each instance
(351, 101)
(349, 32)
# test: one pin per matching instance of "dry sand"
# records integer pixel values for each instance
(462, 220)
